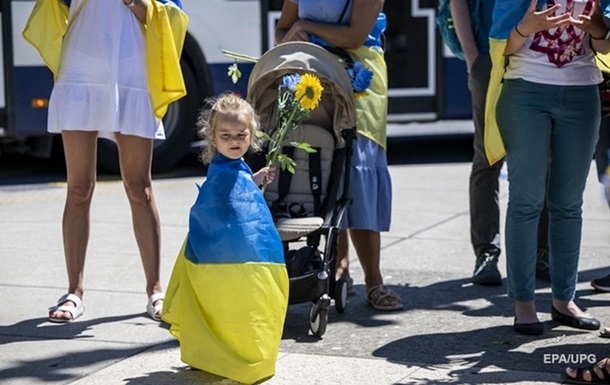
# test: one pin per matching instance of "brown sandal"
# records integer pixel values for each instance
(375, 297)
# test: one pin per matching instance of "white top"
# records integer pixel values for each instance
(102, 84)
(560, 56)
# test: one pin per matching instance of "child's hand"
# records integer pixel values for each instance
(264, 175)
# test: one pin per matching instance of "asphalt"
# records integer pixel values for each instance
(450, 332)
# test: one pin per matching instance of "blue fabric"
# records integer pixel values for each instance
(329, 11)
(230, 221)
(370, 188)
(508, 13)
(484, 24)
(373, 39)
(177, 2)
(549, 133)
(326, 11)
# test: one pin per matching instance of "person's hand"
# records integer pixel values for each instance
(297, 32)
(536, 21)
(593, 22)
(264, 175)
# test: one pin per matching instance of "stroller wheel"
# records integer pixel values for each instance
(340, 295)
(318, 319)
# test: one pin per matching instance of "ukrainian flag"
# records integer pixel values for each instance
(228, 293)
(506, 15)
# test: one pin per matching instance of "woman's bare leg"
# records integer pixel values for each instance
(135, 155)
(80, 148)
(368, 247)
(525, 312)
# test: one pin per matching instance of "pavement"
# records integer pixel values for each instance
(450, 332)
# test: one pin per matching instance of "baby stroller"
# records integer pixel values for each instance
(308, 204)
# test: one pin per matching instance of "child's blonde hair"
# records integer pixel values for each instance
(226, 106)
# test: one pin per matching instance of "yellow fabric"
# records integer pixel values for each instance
(228, 318)
(166, 27)
(165, 31)
(603, 61)
(494, 147)
(372, 108)
(45, 30)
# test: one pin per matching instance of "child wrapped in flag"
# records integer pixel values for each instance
(228, 293)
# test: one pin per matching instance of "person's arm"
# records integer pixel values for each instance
(139, 8)
(601, 45)
(533, 22)
(288, 17)
(463, 29)
(363, 18)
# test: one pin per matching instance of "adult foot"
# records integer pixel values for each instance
(68, 308)
(585, 323)
(569, 314)
(383, 298)
(595, 374)
(525, 312)
(154, 307)
(568, 308)
(533, 328)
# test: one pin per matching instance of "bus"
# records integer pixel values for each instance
(426, 83)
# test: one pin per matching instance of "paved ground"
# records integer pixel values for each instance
(449, 332)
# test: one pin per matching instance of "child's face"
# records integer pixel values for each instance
(232, 138)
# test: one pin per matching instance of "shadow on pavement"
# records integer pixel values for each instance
(59, 367)
(37, 328)
(484, 351)
(180, 375)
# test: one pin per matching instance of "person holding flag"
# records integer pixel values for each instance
(116, 66)
(543, 113)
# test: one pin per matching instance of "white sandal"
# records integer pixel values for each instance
(75, 311)
(154, 311)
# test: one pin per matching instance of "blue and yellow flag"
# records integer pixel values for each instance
(506, 15)
(228, 293)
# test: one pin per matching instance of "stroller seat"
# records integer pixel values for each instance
(304, 193)
(291, 229)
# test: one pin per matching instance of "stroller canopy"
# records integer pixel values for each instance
(301, 57)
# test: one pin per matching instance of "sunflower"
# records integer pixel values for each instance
(309, 91)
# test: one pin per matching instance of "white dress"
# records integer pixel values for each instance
(102, 84)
